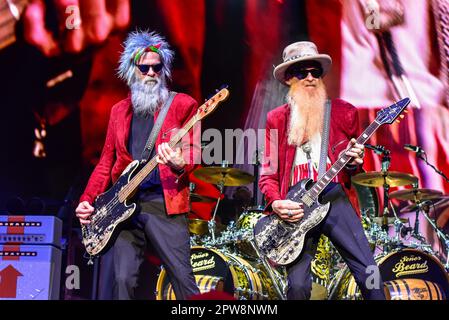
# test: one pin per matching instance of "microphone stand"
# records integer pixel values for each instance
(211, 224)
(256, 180)
(421, 154)
(386, 160)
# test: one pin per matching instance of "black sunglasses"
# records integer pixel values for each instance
(144, 68)
(302, 73)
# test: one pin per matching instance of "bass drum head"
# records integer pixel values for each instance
(408, 274)
(220, 271)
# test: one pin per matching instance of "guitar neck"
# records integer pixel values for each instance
(134, 183)
(312, 194)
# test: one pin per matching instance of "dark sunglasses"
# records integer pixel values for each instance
(144, 68)
(302, 73)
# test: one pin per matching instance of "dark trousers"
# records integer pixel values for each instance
(344, 229)
(169, 236)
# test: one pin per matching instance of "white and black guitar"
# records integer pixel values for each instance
(282, 242)
(114, 206)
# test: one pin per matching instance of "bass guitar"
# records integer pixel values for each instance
(115, 206)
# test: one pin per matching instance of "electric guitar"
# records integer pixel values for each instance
(114, 206)
(282, 242)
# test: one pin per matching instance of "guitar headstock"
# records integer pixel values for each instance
(209, 106)
(389, 114)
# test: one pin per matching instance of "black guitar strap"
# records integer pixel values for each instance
(157, 127)
(325, 139)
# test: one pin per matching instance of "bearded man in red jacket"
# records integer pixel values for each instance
(163, 197)
(295, 155)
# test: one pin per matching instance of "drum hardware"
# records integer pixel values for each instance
(417, 196)
(441, 235)
(385, 179)
(278, 281)
(256, 164)
(222, 176)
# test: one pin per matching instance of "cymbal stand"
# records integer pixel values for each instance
(416, 234)
(386, 160)
(443, 237)
(398, 225)
(278, 281)
(211, 224)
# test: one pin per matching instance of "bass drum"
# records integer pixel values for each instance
(408, 274)
(222, 271)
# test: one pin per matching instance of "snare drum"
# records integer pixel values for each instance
(408, 274)
(222, 271)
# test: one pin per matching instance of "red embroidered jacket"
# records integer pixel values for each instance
(275, 182)
(115, 156)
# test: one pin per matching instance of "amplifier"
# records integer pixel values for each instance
(44, 230)
(29, 272)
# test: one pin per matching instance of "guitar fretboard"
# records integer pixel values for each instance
(312, 194)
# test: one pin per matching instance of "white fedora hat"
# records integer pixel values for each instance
(297, 52)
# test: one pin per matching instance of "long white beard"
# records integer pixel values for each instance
(148, 96)
(306, 114)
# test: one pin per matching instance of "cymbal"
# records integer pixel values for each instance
(416, 194)
(426, 205)
(230, 177)
(390, 220)
(198, 226)
(201, 227)
(195, 197)
(377, 179)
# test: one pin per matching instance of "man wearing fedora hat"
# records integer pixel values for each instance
(301, 127)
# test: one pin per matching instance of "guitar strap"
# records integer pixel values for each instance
(325, 139)
(157, 127)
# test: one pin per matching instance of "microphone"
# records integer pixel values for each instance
(307, 149)
(376, 149)
(413, 148)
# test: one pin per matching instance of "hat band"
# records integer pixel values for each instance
(298, 56)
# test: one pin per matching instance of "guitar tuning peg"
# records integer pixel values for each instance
(398, 121)
(402, 116)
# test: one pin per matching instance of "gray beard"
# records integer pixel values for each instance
(147, 96)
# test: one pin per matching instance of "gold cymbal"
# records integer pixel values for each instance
(416, 194)
(230, 177)
(390, 220)
(195, 197)
(378, 179)
(198, 226)
(426, 205)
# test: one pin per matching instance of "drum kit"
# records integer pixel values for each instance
(409, 266)
(225, 258)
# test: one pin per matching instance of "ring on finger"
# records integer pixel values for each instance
(289, 214)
